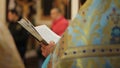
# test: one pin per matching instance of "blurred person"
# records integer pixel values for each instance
(9, 57)
(19, 34)
(59, 25)
(65, 6)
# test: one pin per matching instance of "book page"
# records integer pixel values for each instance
(47, 34)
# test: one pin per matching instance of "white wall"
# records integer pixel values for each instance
(75, 8)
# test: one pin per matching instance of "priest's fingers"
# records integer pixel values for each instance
(52, 43)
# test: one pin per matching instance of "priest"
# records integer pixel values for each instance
(92, 40)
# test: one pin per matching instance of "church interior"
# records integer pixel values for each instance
(26, 50)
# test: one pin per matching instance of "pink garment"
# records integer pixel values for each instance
(59, 26)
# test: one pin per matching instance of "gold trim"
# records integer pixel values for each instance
(91, 51)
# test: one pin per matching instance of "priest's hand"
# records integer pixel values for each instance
(47, 49)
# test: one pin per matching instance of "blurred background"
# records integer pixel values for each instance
(38, 12)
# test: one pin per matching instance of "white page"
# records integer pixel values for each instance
(47, 34)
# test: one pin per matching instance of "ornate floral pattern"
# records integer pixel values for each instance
(97, 23)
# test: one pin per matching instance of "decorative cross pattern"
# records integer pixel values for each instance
(114, 16)
(115, 33)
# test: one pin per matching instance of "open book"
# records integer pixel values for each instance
(41, 32)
